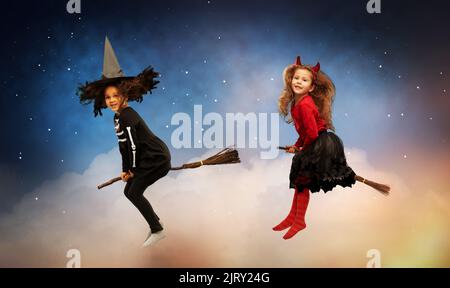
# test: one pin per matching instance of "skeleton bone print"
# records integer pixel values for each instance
(123, 138)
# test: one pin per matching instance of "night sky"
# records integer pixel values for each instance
(391, 71)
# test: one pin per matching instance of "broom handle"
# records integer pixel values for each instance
(109, 182)
(176, 168)
(185, 166)
(286, 148)
(189, 166)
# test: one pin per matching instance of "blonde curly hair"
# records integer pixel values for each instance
(323, 94)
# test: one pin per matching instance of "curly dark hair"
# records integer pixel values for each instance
(132, 88)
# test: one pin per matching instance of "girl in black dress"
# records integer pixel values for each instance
(145, 157)
(319, 162)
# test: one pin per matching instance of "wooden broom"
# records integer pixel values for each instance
(226, 156)
(382, 188)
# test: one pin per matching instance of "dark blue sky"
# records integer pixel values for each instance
(227, 56)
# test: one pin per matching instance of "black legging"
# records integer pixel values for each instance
(135, 189)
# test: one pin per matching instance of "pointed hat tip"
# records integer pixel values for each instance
(111, 67)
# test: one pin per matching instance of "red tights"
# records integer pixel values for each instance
(296, 217)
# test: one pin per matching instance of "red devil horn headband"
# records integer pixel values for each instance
(315, 68)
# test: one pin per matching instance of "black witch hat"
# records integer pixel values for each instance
(132, 87)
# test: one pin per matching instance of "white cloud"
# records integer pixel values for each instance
(216, 216)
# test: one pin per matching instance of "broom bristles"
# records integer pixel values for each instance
(226, 156)
(382, 188)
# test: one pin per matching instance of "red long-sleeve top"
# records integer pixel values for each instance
(307, 121)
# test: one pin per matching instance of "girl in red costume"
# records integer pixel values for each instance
(319, 162)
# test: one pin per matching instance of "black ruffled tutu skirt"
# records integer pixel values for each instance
(321, 166)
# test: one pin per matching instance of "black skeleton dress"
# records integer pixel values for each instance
(141, 150)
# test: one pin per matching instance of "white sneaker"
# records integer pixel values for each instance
(154, 237)
(150, 232)
(148, 235)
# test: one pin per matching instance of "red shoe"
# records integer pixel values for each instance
(299, 222)
(289, 220)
